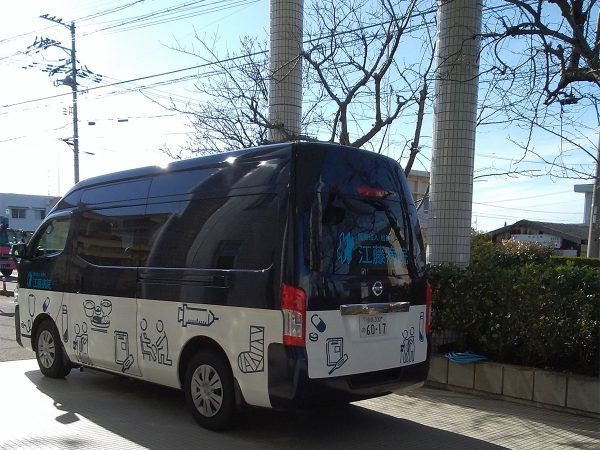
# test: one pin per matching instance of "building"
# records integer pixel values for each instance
(586, 189)
(418, 181)
(568, 239)
(25, 212)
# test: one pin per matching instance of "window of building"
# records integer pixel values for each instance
(18, 213)
(40, 214)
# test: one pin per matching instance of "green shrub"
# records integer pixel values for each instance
(533, 313)
(575, 261)
(516, 252)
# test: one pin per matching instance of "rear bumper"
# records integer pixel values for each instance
(291, 388)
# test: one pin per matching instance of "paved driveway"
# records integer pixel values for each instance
(96, 410)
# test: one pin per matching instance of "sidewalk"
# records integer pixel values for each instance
(96, 410)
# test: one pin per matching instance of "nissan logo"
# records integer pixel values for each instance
(377, 288)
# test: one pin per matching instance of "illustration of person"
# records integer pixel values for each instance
(76, 339)
(81, 342)
(411, 345)
(162, 344)
(145, 342)
(404, 348)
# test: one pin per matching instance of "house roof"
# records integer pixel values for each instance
(575, 232)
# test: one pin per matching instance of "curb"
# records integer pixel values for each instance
(575, 394)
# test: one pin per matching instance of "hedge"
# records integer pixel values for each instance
(519, 308)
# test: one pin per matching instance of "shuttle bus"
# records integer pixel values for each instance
(279, 276)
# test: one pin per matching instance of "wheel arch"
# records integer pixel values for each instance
(205, 343)
(36, 324)
(191, 348)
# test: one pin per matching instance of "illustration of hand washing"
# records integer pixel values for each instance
(188, 315)
(336, 357)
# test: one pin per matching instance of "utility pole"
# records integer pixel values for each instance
(70, 80)
(74, 91)
(593, 249)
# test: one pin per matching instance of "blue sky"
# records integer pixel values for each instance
(41, 163)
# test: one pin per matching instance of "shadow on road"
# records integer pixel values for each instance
(7, 314)
(155, 417)
(500, 409)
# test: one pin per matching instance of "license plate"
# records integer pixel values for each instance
(372, 326)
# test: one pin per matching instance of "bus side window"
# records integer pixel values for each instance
(237, 232)
(52, 238)
(106, 237)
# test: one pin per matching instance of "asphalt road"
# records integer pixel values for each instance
(9, 349)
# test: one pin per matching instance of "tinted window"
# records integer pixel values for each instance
(347, 171)
(360, 217)
(70, 200)
(130, 190)
(107, 237)
(220, 233)
(182, 182)
(360, 236)
(52, 238)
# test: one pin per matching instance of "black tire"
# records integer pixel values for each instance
(209, 390)
(7, 272)
(49, 351)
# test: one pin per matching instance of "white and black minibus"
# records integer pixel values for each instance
(278, 276)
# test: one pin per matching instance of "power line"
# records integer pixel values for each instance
(530, 197)
(521, 209)
(199, 66)
(171, 14)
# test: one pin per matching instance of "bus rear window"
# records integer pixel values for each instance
(358, 236)
(359, 213)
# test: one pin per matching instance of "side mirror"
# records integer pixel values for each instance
(18, 250)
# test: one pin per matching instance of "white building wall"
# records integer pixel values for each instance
(586, 189)
(34, 207)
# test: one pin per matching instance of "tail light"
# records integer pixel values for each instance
(428, 301)
(367, 191)
(293, 306)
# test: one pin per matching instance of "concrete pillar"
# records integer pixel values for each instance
(455, 111)
(285, 87)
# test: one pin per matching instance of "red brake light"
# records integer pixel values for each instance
(367, 191)
(293, 306)
(428, 302)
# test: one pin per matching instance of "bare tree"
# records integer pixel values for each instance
(230, 101)
(540, 75)
(356, 81)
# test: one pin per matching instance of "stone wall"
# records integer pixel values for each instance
(554, 390)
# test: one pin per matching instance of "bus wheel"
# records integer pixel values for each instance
(49, 352)
(209, 390)
(7, 272)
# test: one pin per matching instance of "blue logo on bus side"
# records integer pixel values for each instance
(38, 280)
